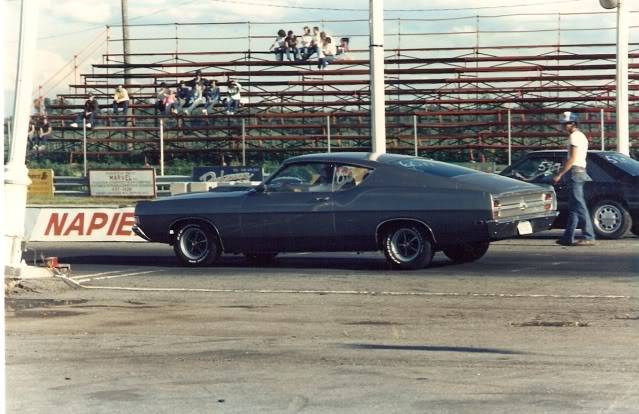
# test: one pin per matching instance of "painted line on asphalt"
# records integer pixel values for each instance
(76, 284)
(116, 276)
(90, 275)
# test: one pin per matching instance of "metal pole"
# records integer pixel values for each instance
(16, 174)
(376, 48)
(328, 132)
(623, 144)
(84, 145)
(602, 127)
(125, 38)
(510, 140)
(161, 147)
(243, 142)
(415, 135)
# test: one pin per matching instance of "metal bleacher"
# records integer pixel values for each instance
(457, 102)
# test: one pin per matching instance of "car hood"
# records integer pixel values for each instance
(206, 195)
(492, 183)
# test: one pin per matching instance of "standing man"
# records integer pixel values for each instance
(575, 168)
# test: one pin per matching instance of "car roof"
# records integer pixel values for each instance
(348, 157)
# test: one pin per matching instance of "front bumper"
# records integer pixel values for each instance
(498, 230)
(139, 232)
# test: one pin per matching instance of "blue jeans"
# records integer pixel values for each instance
(232, 105)
(90, 118)
(578, 215)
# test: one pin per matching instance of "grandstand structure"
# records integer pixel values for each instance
(469, 99)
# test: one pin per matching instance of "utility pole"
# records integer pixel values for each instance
(16, 174)
(623, 132)
(125, 38)
(378, 98)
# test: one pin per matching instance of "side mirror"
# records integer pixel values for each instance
(261, 188)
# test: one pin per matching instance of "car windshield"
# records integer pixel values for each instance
(623, 162)
(438, 168)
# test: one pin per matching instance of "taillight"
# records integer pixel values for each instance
(496, 209)
(548, 201)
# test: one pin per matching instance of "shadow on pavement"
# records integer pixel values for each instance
(431, 348)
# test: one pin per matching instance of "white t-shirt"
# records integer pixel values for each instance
(580, 142)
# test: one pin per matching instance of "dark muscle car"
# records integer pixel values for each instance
(612, 195)
(407, 207)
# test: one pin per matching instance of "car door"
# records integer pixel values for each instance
(357, 211)
(293, 213)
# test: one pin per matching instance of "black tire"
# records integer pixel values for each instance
(610, 219)
(259, 258)
(196, 244)
(406, 247)
(466, 252)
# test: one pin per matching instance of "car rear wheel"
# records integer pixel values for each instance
(406, 247)
(259, 258)
(466, 252)
(610, 219)
(196, 245)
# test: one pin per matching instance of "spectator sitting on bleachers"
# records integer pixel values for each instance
(91, 109)
(31, 133)
(327, 53)
(42, 133)
(306, 41)
(212, 96)
(279, 46)
(197, 79)
(184, 96)
(343, 48)
(197, 96)
(316, 41)
(161, 95)
(233, 97)
(121, 101)
(291, 45)
(170, 102)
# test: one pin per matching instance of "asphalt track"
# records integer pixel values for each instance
(531, 327)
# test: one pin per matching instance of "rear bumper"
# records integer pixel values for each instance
(138, 231)
(508, 229)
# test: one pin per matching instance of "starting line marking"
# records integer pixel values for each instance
(78, 284)
(91, 279)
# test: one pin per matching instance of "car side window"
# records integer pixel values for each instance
(306, 177)
(536, 169)
(349, 176)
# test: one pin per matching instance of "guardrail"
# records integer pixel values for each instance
(79, 186)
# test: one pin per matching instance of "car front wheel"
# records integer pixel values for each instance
(466, 252)
(196, 245)
(610, 219)
(407, 248)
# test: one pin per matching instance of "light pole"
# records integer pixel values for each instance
(623, 140)
(378, 98)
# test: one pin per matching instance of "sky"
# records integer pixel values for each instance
(68, 27)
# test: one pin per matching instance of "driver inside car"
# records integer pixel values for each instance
(324, 182)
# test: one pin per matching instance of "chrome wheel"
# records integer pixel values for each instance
(406, 244)
(608, 218)
(194, 243)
